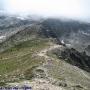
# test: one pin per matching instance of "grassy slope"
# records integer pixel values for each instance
(18, 61)
(17, 64)
(71, 75)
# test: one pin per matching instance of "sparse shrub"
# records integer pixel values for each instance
(29, 74)
(2, 83)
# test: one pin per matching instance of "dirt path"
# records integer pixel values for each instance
(40, 83)
(44, 52)
(44, 83)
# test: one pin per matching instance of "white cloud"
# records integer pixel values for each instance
(67, 8)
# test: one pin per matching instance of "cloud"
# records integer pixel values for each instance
(66, 8)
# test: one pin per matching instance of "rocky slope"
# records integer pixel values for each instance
(73, 33)
(44, 53)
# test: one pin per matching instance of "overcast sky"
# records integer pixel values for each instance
(66, 8)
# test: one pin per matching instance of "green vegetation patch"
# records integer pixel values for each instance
(20, 59)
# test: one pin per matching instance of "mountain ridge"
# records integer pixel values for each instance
(37, 51)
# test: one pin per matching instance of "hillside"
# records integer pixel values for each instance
(44, 54)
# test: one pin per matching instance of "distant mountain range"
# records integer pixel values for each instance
(73, 33)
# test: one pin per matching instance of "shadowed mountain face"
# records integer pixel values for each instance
(74, 34)
(74, 57)
(61, 27)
